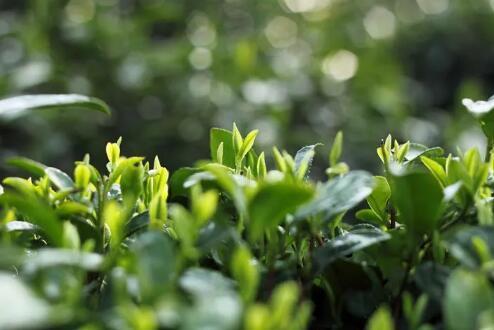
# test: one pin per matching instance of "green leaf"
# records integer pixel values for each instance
(303, 160)
(247, 145)
(460, 244)
(121, 167)
(417, 150)
(482, 110)
(360, 237)
(237, 139)
(131, 182)
(17, 106)
(378, 199)
(431, 278)
(23, 309)
(218, 136)
(178, 178)
(216, 304)
(155, 262)
(38, 212)
(436, 169)
(272, 202)
(338, 195)
(468, 294)
(336, 149)
(136, 223)
(12, 226)
(418, 198)
(48, 258)
(245, 271)
(381, 320)
(368, 215)
(28, 165)
(60, 179)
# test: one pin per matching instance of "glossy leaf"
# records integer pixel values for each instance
(303, 160)
(17, 106)
(338, 195)
(379, 197)
(460, 244)
(418, 198)
(60, 179)
(358, 238)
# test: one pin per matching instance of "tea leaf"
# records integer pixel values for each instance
(17, 106)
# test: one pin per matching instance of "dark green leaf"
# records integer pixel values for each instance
(155, 262)
(360, 237)
(460, 245)
(137, 223)
(338, 195)
(418, 198)
(178, 179)
(216, 304)
(431, 278)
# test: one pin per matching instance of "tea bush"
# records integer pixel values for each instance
(234, 243)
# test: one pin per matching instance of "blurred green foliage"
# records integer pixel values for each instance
(299, 70)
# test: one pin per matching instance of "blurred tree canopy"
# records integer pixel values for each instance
(299, 70)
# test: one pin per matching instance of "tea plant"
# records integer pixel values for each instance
(234, 243)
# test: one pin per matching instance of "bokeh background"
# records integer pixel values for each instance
(299, 70)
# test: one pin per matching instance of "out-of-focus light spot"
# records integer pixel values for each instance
(380, 22)
(341, 66)
(491, 2)
(331, 87)
(11, 51)
(433, 7)
(80, 11)
(79, 85)
(264, 92)
(190, 129)
(133, 72)
(281, 32)
(269, 129)
(221, 94)
(31, 74)
(420, 130)
(150, 108)
(408, 11)
(201, 31)
(470, 138)
(200, 85)
(292, 60)
(304, 6)
(200, 58)
(5, 26)
(299, 86)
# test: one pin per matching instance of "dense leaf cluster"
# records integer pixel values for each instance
(234, 243)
